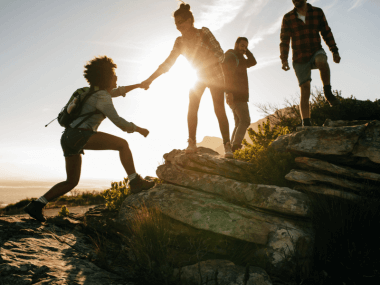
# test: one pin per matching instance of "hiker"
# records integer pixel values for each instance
(203, 51)
(100, 74)
(303, 25)
(237, 92)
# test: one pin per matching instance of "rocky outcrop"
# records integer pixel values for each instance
(211, 195)
(223, 272)
(35, 253)
(341, 158)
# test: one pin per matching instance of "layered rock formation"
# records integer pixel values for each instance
(207, 195)
(341, 158)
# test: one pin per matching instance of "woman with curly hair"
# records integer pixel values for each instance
(203, 51)
(100, 74)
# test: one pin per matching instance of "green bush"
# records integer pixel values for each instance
(115, 196)
(268, 165)
(64, 212)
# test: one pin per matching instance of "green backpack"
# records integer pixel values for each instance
(71, 111)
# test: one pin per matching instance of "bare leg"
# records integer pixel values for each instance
(104, 141)
(192, 115)
(73, 170)
(324, 68)
(304, 102)
(220, 112)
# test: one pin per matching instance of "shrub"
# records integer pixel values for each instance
(64, 212)
(268, 165)
(115, 196)
(150, 245)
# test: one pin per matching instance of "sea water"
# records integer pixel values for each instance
(14, 191)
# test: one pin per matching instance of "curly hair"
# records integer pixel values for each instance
(184, 12)
(99, 72)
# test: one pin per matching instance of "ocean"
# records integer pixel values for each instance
(14, 191)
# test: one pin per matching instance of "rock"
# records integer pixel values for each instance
(342, 123)
(209, 161)
(267, 197)
(274, 237)
(319, 165)
(349, 145)
(307, 177)
(226, 273)
(368, 145)
(328, 191)
(35, 253)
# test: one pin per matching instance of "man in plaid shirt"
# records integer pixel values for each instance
(303, 25)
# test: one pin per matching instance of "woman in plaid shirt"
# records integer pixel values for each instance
(204, 53)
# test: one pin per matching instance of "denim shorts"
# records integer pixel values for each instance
(74, 140)
(303, 70)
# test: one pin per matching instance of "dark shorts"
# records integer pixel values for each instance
(303, 70)
(74, 140)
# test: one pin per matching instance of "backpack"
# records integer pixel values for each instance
(72, 110)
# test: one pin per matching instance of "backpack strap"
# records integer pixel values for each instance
(88, 115)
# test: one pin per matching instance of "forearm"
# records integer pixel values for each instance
(251, 60)
(121, 91)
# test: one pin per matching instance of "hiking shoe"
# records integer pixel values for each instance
(34, 209)
(228, 151)
(192, 146)
(139, 184)
(330, 98)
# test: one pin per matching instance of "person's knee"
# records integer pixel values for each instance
(305, 87)
(123, 145)
(72, 183)
(321, 61)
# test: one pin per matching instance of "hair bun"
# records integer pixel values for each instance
(184, 6)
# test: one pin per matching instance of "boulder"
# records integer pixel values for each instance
(357, 146)
(308, 177)
(266, 197)
(223, 272)
(324, 166)
(210, 196)
(208, 161)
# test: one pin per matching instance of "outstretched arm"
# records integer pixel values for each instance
(166, 65)
(121, 91)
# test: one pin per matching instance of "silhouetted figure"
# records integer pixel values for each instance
(100, 74)
(303, 25)
(237, 91)
(203, 51)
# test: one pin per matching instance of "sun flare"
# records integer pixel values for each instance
(183, 76)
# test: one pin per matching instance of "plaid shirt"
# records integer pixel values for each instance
(203, 52)
(305, 36)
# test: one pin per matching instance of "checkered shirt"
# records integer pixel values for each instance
(305, 36)
(203, 52)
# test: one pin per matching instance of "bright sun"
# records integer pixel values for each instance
(182, 74)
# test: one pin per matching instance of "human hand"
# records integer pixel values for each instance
(143, 132)
(336, 57)
(285, 66)
(145, 84)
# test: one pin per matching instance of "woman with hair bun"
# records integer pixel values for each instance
(204, 53)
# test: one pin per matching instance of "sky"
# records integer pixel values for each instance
(45, 45)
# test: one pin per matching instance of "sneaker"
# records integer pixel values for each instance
(34, 209)
(139, 184)
(192, 146)
(228, 151)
